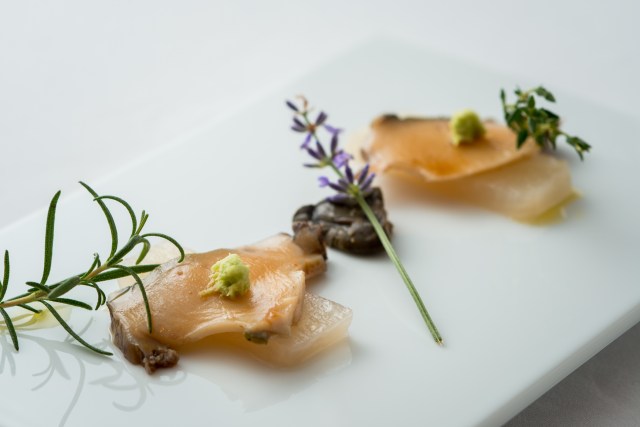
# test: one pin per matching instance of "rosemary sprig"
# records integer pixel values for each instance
(351, 186)
(529, 120)
(43, 294)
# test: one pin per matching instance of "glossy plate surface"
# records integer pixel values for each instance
(519, 306)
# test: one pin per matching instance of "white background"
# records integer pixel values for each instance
(88, 86)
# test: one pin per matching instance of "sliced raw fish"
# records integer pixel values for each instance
(423, 146)
(489, 172)
(278, 266)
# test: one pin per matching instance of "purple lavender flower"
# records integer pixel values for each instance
(338, 156)
(349, 184)
(305, 125)
(332, 129)
(341, 158)
(292, 106)
(365, 178)
(323, 181)
(342, 189)
(319, 154)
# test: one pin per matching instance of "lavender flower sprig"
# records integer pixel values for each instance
(349, 186)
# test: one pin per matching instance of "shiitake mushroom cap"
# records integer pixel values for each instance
(344, 225)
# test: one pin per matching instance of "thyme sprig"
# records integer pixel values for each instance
(350, 185)
(112, 268)
(529, 120)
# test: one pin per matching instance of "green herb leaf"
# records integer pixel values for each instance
(146, 246)
(112, 225)
(114, 274)
(28, 307)
(522, 137)
(531, 103)
(39, 287)
(173, 241)
(101, 297)
(64, 287)
(5, 276)
(143, 220)
(540, 91)
(540, 124)
(578, 144)
(129, 209)
(124, 251)
(72, 302)
(48, 239)
(95, 264)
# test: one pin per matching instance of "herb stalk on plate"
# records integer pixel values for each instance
(39, 292)
(349, 185)
(530, 121)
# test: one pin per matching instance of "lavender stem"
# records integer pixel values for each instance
(398, 264)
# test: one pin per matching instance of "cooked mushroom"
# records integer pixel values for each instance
(344, 224)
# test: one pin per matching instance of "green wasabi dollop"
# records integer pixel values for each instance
(465, 126)
(229, 277)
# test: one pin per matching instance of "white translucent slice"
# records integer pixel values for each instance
(523, 190)
(323, 324)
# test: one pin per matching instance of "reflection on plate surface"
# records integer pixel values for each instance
(240, 378)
